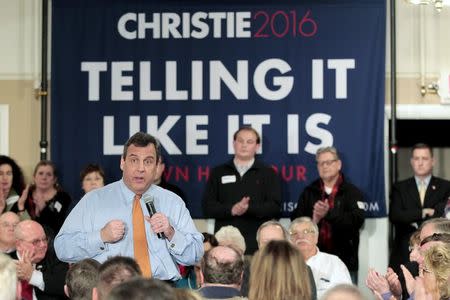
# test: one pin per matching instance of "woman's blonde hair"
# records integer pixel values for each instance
(437, 259)
(278, 271)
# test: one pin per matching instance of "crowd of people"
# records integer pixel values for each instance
(135, 238)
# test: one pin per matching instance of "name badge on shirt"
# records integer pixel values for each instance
(228, 179)
(58, 206)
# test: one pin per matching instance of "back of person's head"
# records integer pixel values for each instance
(223, 265)
(114, 271)
(231, 236)
(81, 278)
(8, 278)
(440, 225)
(278, 271)
(187, 294)
(437, 262)
(343, 292)
(210, 238)
(142, 289)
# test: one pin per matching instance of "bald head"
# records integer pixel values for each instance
(223, 265)
(8, 221)
(30, 238)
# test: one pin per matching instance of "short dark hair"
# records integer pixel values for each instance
(216, 270)
(210, 238)
(18, 183)
(421, 146)
(248, 128)
(91, 168)
(114, 271)
(142, 139)
(142, 289)
(81, 278)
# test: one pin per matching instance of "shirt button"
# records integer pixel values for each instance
(172, 245)
(102, 248)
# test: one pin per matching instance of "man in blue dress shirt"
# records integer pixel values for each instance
(101, 226)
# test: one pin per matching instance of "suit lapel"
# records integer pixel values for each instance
(431, 192)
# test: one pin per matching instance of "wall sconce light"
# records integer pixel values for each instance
(438, 4)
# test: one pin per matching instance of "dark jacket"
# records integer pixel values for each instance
(260, 183)
(405, 212)
(346, 219)
(54, 275)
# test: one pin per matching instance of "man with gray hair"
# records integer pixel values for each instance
(336, 207)
(221, 273)
(328, 269)
(270, 231)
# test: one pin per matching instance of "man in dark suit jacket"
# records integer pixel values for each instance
(415, 200)
(38, 269)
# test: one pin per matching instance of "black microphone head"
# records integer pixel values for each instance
(148, 199)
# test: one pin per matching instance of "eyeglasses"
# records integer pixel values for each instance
(8, 224)
(326, 163)
(442, 237)
(304, 232)
(411, 248)
(36, 242)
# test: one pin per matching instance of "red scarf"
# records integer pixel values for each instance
(325, 234)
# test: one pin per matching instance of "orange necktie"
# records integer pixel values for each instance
(139, 238)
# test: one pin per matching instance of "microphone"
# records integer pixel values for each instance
(148, 200)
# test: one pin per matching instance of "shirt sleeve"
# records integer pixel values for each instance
(37, 280)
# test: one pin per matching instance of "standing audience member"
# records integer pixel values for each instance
(81, 278)
(40, 273)
(113, 220)
(161, 181)
(221, 272)
(328, 269)
(243, 192)
(274, 231)
(47, 203)
(142, 289)
(415, 200)
(8, 222)
(336, 206)
(113, 272)
(92, 177)
(278, 271)
(12, 185)
(9, 287)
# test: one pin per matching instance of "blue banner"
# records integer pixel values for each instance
(305, 75)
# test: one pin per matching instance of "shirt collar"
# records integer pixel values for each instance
(426, 180)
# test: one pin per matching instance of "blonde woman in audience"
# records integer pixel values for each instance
(436, 271)
(9, 287)
(278, 271)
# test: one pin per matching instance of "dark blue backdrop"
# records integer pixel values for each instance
(264, 54)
